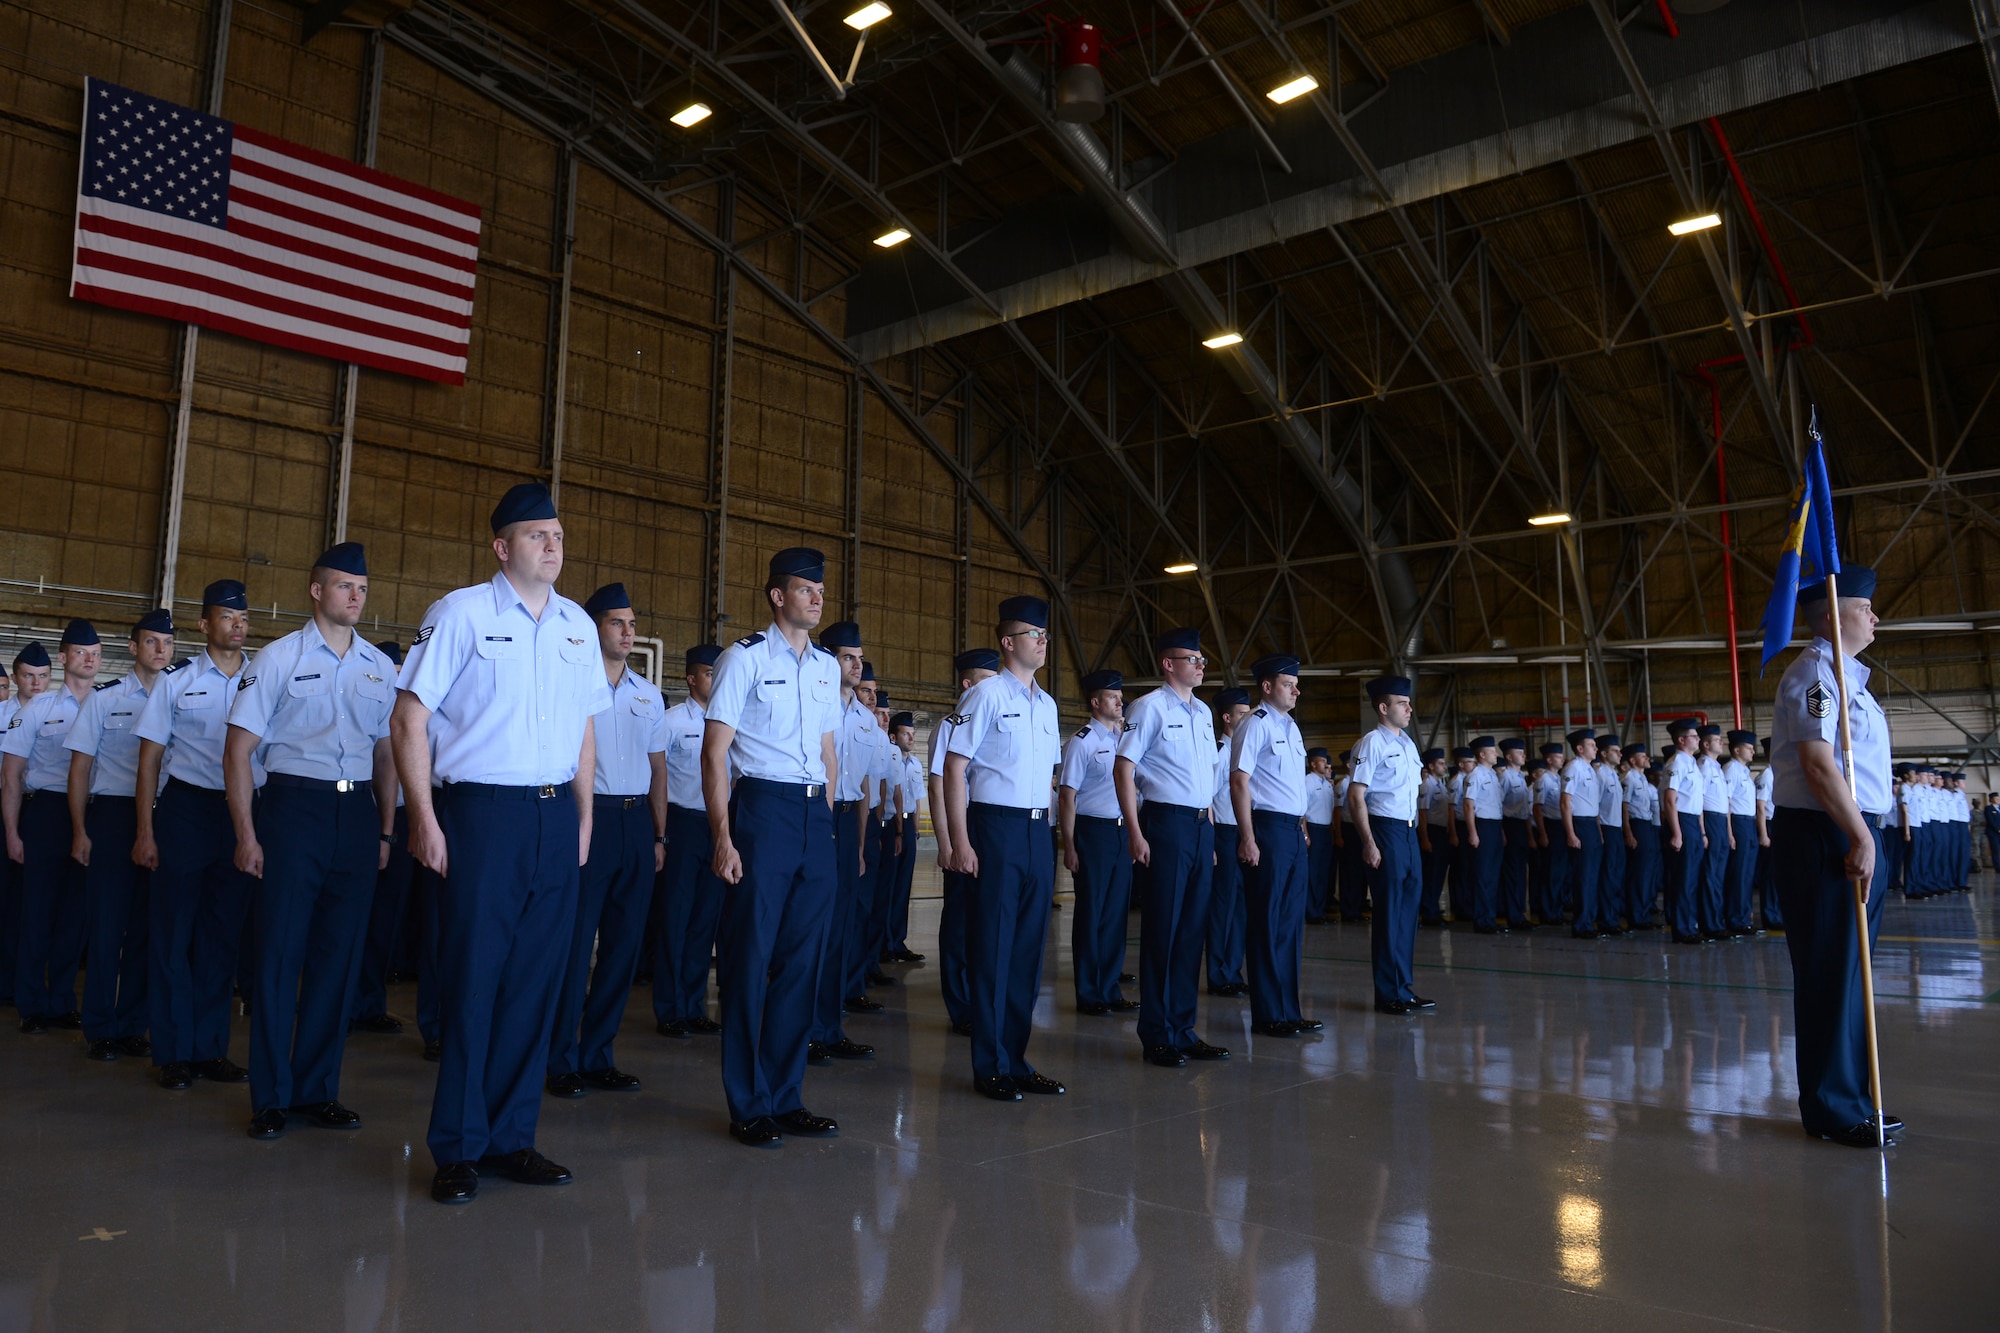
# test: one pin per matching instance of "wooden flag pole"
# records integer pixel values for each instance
(1860, 886)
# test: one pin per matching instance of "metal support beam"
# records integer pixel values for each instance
(1986, 19)
(856, 406)
(556, 372)
(221, 15)
(350, 374)
(722, 397)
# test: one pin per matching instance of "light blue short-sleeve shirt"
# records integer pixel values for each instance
(1087, 761)
(317, 713)
(1171, 743)
(1319, 799)
(1642, 798)
(1580, 784)
(511, 694)
(39, 734)
(1483, 787)
(629, 733)
(1008, 734)
(1516, 801)
(1268, 747)
(188, 712)
(1808, 709)
(1385, 762)
(682, 726)
(1684, 780)
(106, 729)
(782, 704)
(1742, 788)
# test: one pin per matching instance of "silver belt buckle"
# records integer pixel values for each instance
(344, 785)
(545, 793)
(1038, 814)
(815, 789)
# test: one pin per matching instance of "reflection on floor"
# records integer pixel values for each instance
(1583, 1135)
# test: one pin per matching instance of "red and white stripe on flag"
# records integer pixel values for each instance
(194, 218)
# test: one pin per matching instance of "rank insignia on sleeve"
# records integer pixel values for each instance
(245, 683)
(959, 719)
(423, 634)
(1819, 702)
(13, 721)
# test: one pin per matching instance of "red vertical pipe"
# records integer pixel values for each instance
(1728, 541)
(1667, 17)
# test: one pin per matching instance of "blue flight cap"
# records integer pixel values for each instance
(1513, 743)
(157, 621)
(347, 558)
(881, 698)
(1103, 680)
(1737, 738)
(523, 504)
(79, 634)
(976, 659)
(1607, 741)
(799, 562)
(1766, 742)
(1433, 755)
(1383, 685)
(227, 594)
(1580, 735)
(611, 597)
(1231, 697)
(1463, 752)
(1318, 752)
(34, 655)
(1277, 664)
(841, 634)
(392, 650)
(1186, 638)
(1551, 748)
(867, 671)
(902, 720)
(1482, 742)
(1031, 611)
(1346, 755)
(702, 654)
(1708, 729)
(1854, 581)
(1681, 724)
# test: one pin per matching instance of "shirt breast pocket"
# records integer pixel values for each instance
(309, 698)
(199, 711)
(119, 721)
(778, 701)
(504, 664)
(373, 701)
(1007, 731)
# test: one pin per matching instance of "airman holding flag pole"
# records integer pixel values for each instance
(1831, 806)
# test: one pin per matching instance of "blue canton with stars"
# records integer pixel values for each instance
(150, 154)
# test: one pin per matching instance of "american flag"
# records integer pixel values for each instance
(195, 218)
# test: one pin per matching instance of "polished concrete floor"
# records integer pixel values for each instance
(1582, 1136)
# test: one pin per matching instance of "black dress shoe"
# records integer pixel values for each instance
(1894, 1121)
(220, 1070)
(132, 1045)
(71, 1021)
(1166, 1057)
(1396, 1007)
(267, 1124)
(102, 1050)
(879, 979)
(1000, 1089)
(759, 1133)
(610, 1079)
(1486, 930)
(387, 1025)
(328, 1115)
(807, 1125)
(1127, 979)
(1201, 1050)
(1419, 1002)
(1859, 1136)
(961, 1029)
(1275, 1028)
(861, 1004)
(1039, 1084)
(1094, 1010)
(817, 1054)
(1122, 1006)
(903, 956)
(673, 1027)
(455, 1182)
(34, 1025)
(434, 1050)
(569, 1086)
(1306, 1025)
(848, 1049)
(1688, 939)
(525, 1167)
(176, 1077)
(703, 1026)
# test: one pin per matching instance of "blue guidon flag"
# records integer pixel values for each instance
(195, 218)
(1811, 550)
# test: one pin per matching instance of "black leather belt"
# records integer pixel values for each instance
(846, 807)
(495, 792)
(1010, 811)
(214, 793)
(342, 785)
(1197, 812)
(805, 791)
(603, 802)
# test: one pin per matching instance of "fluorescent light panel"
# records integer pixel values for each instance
(1222, 340)
(868, 15)
(893, 236)
(1298, 87)
(1185, 567)
(694, 113)
(1548, 520)
(1689, 226)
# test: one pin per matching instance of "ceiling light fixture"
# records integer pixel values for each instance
(1689, 226)
(1549, 520)
(892, 237)
(867, 16)
(694, 113)
(1185, 567)
(1298, 87)
(1222, 340)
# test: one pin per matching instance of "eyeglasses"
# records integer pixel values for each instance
(1030, 634)
(1196, 660)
